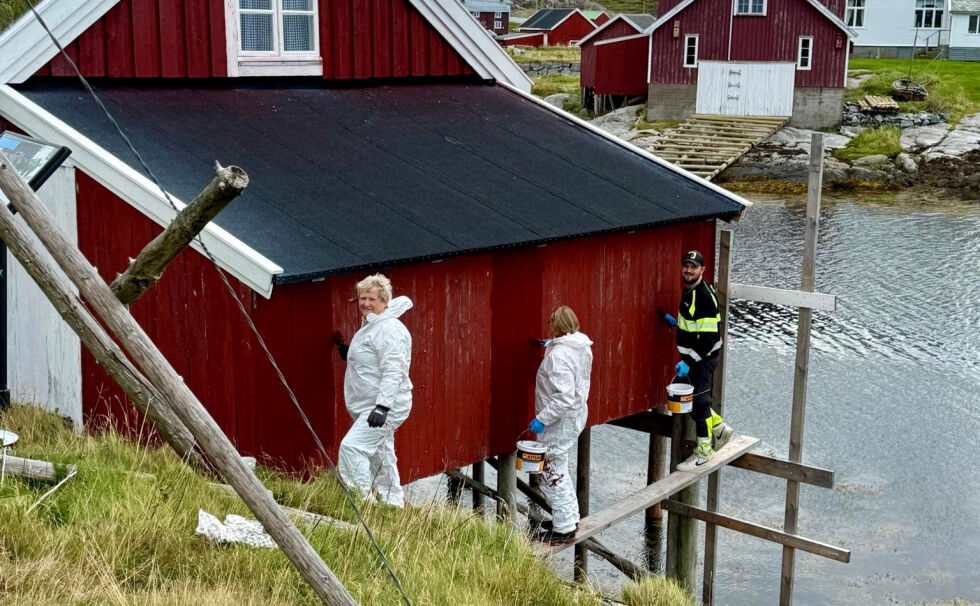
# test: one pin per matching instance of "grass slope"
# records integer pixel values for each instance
(9, 11)
(953, 86)
(111, 537)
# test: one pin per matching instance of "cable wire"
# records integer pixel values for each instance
(239, 304)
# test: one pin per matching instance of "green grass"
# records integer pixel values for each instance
(871, 141)
(630, 6)
(555, 83)
(110, 537)
(657, 592)
(560, 54)
(953, 86)
(9, 11)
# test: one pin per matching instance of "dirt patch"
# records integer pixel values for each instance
(952, 172)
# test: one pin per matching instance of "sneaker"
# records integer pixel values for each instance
(554, 538)
(694, 461)
(722, 435)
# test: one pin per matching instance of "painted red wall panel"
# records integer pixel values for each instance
(602, 18)
(588, 62)
(531, 39)
(473, 366)
(624, 67)
(574, 28)
(774, 37)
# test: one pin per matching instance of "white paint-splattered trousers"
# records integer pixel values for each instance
(367, 461)
(559, 489)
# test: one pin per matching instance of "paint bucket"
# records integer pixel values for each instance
(249, 462)
(680, 397)
(530, 456)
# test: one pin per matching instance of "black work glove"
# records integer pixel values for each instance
(377, 416)
(342, 347)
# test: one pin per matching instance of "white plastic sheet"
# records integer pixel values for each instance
(235, 529)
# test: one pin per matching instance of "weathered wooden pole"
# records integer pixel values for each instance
(654, 517)
(722, 280)
(802, 362)
(454, 490)
(146, 270)
(507, 488)
(189, 410)
(582, 476)
(478, 475)
(682, 533)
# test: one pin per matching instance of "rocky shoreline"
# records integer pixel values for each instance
(935, 153)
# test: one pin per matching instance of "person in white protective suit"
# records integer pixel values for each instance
(561, 394)
(377, 390)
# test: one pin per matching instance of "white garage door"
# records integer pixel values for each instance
(745, 89)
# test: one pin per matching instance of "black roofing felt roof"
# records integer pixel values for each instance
(356, 178)
(546, 18)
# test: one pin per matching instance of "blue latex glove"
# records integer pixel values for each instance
(682, 368)
(537, 426)
(539, 342)
(669, 319)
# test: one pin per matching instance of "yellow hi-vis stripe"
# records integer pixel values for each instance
(702, 325)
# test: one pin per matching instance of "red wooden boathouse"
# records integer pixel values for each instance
(420, 154)
(560, 26)
(620, 49)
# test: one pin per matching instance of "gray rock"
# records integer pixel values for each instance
(834, 169)
(921, 137)
(644, 137)
(862, 173)
(871, 160)
(961, 140)
(854, 81)
(799, 138)
(973, 179)
(851, 131)
(619, 121)
(558, 99)
(907, 164)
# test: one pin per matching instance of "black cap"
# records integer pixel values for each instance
(693, 256)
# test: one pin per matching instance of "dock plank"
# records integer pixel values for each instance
(650, 495)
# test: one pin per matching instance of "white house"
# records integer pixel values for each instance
(964, 30)
(897, 28)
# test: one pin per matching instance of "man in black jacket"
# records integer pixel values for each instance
(698, 342)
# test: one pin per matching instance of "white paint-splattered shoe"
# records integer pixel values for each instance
(722, 434)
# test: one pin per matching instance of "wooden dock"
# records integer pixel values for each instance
(707, 144)
(651, 495)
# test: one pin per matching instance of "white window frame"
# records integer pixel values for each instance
(973, 24)
(688, 38)
(475, 14)
(800, 53)
(498, 15)
(277, 62)
(749, 12)
(932, 7)
(498, 24)
(855, 12)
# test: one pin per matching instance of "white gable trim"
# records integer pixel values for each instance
(595, 32)
(25, 47)
(621, 39)
(642, 152)
(823, 10)
(475, 44)
(237, 258)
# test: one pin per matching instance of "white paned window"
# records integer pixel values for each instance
(475, 14)
(690, 51)
(929, 14)
(496, 15)
(750, 7)
(497, 24)
(804, 58)
(974, 27)
(277, 27)
(854, 16)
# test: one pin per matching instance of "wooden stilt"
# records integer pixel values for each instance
(654, 522)
(802, 363)
(582, 475)
(682, 533)
(722, 278)
(454, 490)
(507, 488)
(478, 475)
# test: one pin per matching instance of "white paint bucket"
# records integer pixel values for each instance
(249, 462)
(530, 456)
(680, 397)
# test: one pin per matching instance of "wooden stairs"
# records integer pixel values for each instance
(707, 144)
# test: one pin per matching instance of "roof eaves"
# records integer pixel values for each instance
(473, 42)
(642, 152)
(621, 39)
(237, 258)
(25, 47)
(826, 12)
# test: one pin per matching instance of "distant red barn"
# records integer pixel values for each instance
(561, 26)
(622, 49)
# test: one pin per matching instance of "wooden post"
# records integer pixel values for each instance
(802, 362)
(682, 533)
(507, 488)
(722, 280)
(148, 267)
(156, 368)
(454, 490)
(478, 475)
(654, 522)
(582, 475)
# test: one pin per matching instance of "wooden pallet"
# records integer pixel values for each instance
(708, 144)
(649, 496)
(878, 104)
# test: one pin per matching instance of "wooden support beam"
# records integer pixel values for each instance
(654, 493)
(146, 270)
(161, 374)
(802, 363)
(478, 475)
(780, 296)
(34, 469)
(507, 488)
(583, 465)
(787, 470)
(763, 532)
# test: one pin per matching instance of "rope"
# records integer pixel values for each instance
(239, 304)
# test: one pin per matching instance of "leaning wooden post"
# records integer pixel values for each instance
(582, 475)
(722, 280)
(146, 270)
(156, 368)
(802, 362)
(507, 488)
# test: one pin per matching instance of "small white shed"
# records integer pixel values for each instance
(964, 30)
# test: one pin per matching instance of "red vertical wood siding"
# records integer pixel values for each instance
(602, 18)
(624, 67)
(574, 28)
(151, 39)
(774, 37)
(588, 61)
(472, 364)
(529, 39)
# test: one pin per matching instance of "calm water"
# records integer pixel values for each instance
(893, 407)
